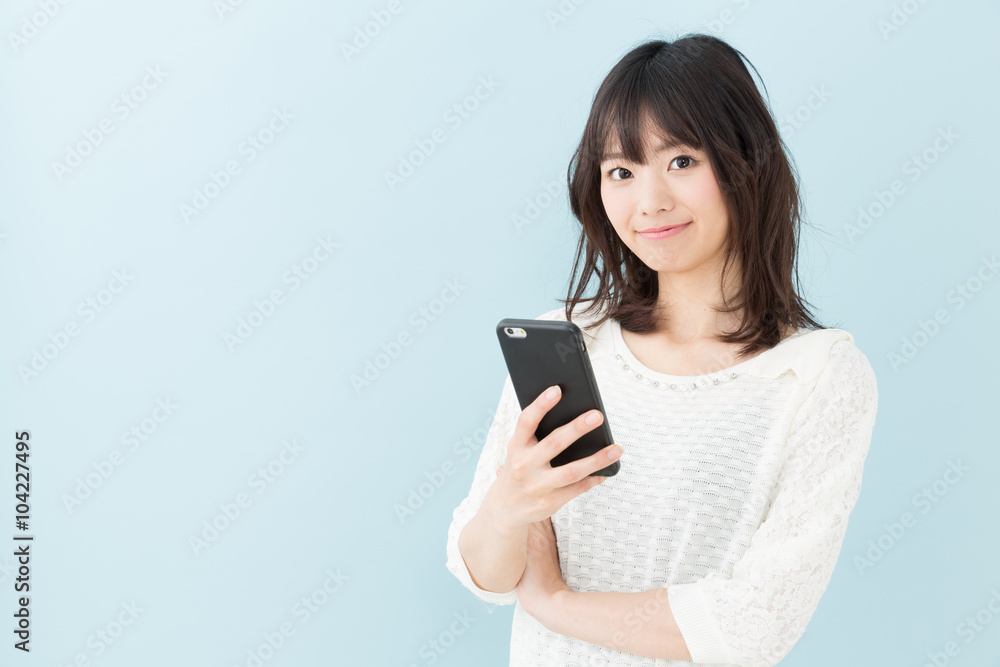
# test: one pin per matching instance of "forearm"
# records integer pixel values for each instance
(639, 623)
(494, 554)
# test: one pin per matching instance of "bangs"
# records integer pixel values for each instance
(640, 118)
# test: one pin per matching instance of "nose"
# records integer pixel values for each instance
(654, 195)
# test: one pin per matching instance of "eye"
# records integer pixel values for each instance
(610, 173)
(686, 163)
(690, 160)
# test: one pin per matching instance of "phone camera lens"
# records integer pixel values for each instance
(509, 330)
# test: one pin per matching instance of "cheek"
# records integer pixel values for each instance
(706, 192)
(707, 197)
(616, 209)
(614, 204)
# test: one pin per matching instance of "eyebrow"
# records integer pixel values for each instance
(665, 145)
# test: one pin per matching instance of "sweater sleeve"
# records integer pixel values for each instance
(493, 454)
(754, 618)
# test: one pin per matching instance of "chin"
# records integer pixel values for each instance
(661, 266)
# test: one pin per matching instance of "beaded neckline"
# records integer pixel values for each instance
(628, 363)
(700, 381)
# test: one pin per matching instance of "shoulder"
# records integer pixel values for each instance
(842, 394)
(849, 370)
(831, 370)
(556, 314)
(586, 321)
(811, 352)
(597, 337)
(579, 317)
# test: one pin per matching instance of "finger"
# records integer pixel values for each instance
(581, 469)
(556, 442)
(531, 416)
(568, 493)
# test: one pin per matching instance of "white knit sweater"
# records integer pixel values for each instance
(734, 495)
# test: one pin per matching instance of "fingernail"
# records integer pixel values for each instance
(593, 418)
(615, 452)
(552, 392)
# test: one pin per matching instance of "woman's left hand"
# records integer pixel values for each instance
(542, 576)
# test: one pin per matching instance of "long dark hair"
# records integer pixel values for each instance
(698, 90)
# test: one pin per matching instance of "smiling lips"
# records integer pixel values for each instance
(663, 232)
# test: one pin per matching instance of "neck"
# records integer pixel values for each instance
(687, 306)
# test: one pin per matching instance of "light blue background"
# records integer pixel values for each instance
(333, 506)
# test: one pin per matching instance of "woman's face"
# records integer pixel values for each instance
(677, 187)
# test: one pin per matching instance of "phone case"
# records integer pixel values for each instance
(552, 352)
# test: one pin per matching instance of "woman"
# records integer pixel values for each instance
(744, 424)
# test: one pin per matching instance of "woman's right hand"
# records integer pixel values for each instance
(529, 488)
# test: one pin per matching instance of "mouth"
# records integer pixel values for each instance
(662, 229)
(663, 232)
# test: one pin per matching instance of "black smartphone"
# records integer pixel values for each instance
(542, 353)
